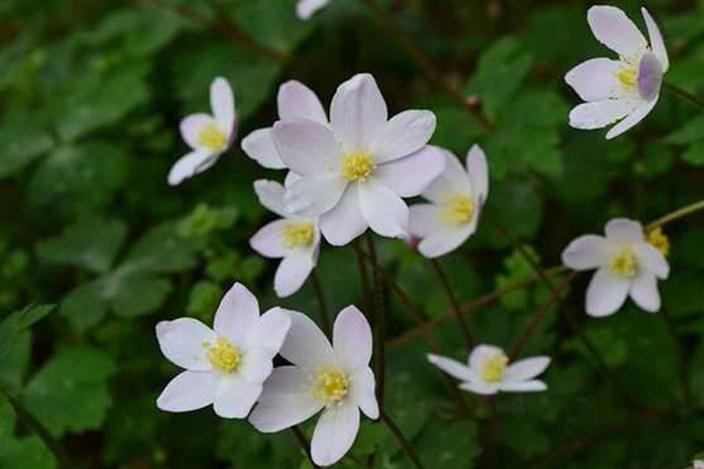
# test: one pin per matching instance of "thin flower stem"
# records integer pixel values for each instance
(363, 276)
(454, 302)
(405, 445)
(303, 442)
(320, 298)
(379, 318)
(697, 101)
(676, 215)
(33, 424)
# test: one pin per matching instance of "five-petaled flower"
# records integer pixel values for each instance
(335, 379)
(457, 197)
(307, 8)
(626, 89)
(225, 366)
(626, 263)
(354, 171)
(295, 239)
(208, 135)
(488, 371)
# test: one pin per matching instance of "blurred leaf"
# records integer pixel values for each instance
(162, 250)
(273, 23)
(449, 444)
(21, 144)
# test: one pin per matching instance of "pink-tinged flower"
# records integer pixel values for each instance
(307, 8)
(626, 263)
(457, 197)
(225, 366)
(354, 172)
(208, 135)
(626, 89)
(294, 101)
(293, 238)
(488, 371)
(333, 378)
(698, 464)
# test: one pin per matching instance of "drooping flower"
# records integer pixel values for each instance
(307, 8)
(336, 379)
(659, 239)
(626, 89)
(224, 366)
(354, 172)
(488, 371)
(209, 136)
(457, 197)
(626, 263)
(294, 100)
(293, 238)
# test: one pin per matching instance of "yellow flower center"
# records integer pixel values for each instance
(330, 385)
(357, 166)
(457, 209)
(298, 234)
(660, 240)
(493, 367)
(223, 355)
(627, 76)
(211, 137)
(624, 263)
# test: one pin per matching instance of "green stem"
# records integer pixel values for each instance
(676, 215)
(697, 101)
(405, 445)
(379, 317)
(320, 297)
(454, 302)
(303, 442)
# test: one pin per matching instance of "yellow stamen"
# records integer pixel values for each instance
(624, 263)
(627, 76)
(457, 209)
(330, 385)
(223, 355)
(298, 234)
(357, 166)
(660, 240)
(211, 137)
(493, 367)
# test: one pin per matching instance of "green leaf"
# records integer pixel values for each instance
(695, 154)
(515, 204)
(84, 306)
(21, 143)
(134, 293)
(692, 132)
(69, 393)
(91, 243)
(162, 250)
(25, 453)
(273, 23)
(449, 444)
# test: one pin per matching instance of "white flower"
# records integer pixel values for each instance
(354, 172)
(225, 366)
(335, 379)
(306, 8)
(208, 135)
(488, 371)
(626, 89)
(626, 265)
(457, 197)
(294, 100)
(295, 239)
(698, 464)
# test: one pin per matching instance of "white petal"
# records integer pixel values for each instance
(586, 252)
(191, 126)
(623, 230)
(256, 366)
(181, 341)
(657, 44)
(352, 339)
(296, 100)
(314, 195)
(306, 147)
(452, 181)
(615, 30)
(235, 397)
(445, 240)
(286, 401)
(334, 433)
(191, 164)
(305, 344)
(345, 222)
(358, 112)
(424, 219)
(483, 389)
(411, 175)
(479, 353)
(404, 134)
(644, 291)
(222, 102)
(478, 171)
(237, 314)
(606, 293)
(533, 385)
(269, 333)
(292, 273)
(259, 146)
(271, 196)
(363, 393)
(190, 390)
(383, 209)
(526, 369)
(306, 8)
(268, 241)
(452, 367)
(595, 79)
(637, 115)
(652, 260)
(599, 114)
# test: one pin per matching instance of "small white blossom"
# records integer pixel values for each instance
(307, 8)
(488, 371)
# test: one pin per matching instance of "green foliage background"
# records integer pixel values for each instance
(91, 93)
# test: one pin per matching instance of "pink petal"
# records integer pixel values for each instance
(222, 103)
(181, 342)
(334, 433)
(483, 389)
(586, 252)
(314, 195)
(615, 30)
(644, 291)
(452, 181)
(446, 240)
(259, 146)
(652, 260)
(345, 222)
(637, 115)
(256, 366)
(623, 230)
(424, 219)
(606, 293)
(363, 392)
(411, 175)
(523, 386)
(269, 333)
(296, 100)
(188, 391)
(478, 171)
(595, 79)
(382, 208)
(237, 314)
(657, 44)
(271, 196)
(404, 134)
(352, 339)
(235, 397)
(305, 344)
(306, 147)
(268, 241)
